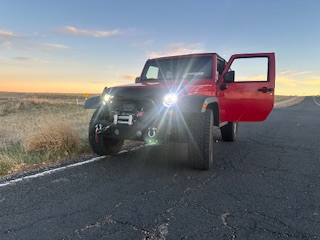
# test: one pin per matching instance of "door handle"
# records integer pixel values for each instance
(265, 89)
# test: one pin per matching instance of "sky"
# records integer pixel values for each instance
(80, 46)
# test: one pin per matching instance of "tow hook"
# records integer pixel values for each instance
(152, 132)
(98, 129)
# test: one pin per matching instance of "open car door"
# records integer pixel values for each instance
(246, 87)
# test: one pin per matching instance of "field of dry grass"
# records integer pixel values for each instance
(40, 129)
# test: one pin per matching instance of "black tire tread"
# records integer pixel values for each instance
(200, 140)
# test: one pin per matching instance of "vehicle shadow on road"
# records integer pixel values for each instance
(169, 156)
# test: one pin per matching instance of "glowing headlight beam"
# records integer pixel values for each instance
(170, 99)
(107, 97)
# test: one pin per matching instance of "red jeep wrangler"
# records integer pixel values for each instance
(181, 99)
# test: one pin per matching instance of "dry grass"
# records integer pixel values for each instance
(292, 102)
(52, 136)
(38, 129)
(279, 98)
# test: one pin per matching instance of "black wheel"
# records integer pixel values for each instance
(200, 143)
(229, 131)
(100, 144)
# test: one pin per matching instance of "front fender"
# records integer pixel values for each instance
(92, 102)
(196, 103)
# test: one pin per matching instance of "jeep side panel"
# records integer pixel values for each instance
(247, 96)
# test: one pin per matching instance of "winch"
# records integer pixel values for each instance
(123, 119)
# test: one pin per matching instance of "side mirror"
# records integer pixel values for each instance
(228, 77)
(137, 80)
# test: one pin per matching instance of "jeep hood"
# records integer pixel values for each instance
(135, 91)
(153, 89)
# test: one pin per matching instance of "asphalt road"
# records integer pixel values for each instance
(266, 185)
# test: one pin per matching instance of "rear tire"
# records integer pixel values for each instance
(200, 142)
(229, 131)
(100, 144)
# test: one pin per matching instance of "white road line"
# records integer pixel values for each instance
(316, 101)
(41, 174)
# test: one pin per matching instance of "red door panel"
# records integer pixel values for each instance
(250, 96)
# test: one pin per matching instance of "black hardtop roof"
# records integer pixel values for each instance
(189, 55)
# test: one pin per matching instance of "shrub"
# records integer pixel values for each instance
(53, 137)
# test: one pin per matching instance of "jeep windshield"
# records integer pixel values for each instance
(186, 68)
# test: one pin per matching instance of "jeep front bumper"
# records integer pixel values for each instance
(164, 126)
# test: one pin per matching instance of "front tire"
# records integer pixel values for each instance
(200, 142)
(99, 144)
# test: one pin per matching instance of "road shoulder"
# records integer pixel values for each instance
(289, 102)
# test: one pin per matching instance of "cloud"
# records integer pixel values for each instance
(144, 43)
(22, 58)
(286, 81)
(6, 39)
(28, 60)
(129, 77)
(4, 33)
(7, 45)
(50, 47)
(285, 72)
(315, 82)
(294, 73)
(295, 78)
(70, 30)
(177, 49)
(56, 46)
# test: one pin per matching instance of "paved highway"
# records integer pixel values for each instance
(266, 185)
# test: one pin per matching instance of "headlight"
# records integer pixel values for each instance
(170, 99)
(107, 98)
